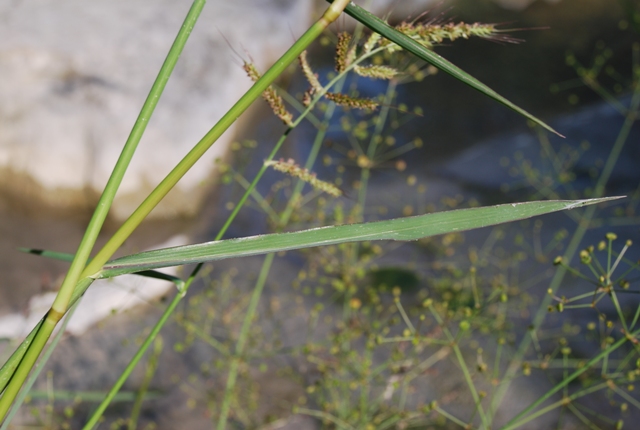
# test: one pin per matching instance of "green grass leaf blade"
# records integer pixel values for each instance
(54, 255)
(410, 45)
(403, 229)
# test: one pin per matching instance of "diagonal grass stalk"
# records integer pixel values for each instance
(453, 341)
(152, 365)
(242, 340)
(521, 418)
(38, 368)
(138, 355)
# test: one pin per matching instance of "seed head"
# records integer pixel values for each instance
(291, 168)
(271, 96)
(344, 55)
(376, 72)
(352, 102)
(308, 73)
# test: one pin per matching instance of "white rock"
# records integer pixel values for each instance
(73, 75)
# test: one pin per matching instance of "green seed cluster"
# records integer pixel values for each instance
(376, 72)
(432, 34)
(344, 55)
(271, 96)
(291, 168)
(352, 102)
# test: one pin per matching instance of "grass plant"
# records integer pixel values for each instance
(382, 338)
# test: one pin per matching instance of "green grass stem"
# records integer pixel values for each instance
(93, 420)
(242, 341)
(152, 365)
(25, 391)
(212, 136)
(516, 421)
(453, 341)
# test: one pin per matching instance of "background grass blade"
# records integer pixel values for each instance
(407, 43)
(63, 256)
(409, 228)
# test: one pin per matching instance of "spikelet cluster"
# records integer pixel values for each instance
(376, 72)
(432, 34)
(428, 34)
(344, 54)
(352, 102)
(311, 77)
(271, 96)
(371, 42)
(291, 168)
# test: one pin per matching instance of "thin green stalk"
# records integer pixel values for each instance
(463, 365)
(315, 149)
(206, 338)
(404, 315)
(271, 214)
(365, 386)
(148, 376)
(75, 273)
(572, 248)
(576, 412)
(137, 357)
(325, 416)
(603, 355)
(560, 403)
(635, 318)
(373, 143)
(616, 304)
(242, 340)
(90, 396)
(622, 393)
(618, 260)
(451, 418)
(38, 368)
